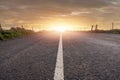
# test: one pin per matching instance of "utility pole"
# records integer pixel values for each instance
(112, 26)
(32, 29)
(92, 27)
(96, 27)
(22, 27)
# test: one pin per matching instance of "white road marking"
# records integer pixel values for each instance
(59, 69)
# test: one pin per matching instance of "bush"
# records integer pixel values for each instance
(1, 37)
(13, 34)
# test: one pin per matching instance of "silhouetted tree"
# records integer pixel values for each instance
(13, 29)
(17, 28)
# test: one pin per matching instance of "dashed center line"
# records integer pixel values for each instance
(59, 69)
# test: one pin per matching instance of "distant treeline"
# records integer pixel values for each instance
(114, 31)
(94, 28)
(13, 33)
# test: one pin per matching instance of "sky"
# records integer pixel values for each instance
(42, 14)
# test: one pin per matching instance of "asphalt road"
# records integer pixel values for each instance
(86, 56)
(29, 58)
(91, 56)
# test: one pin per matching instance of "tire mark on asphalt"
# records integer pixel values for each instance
(59, 70)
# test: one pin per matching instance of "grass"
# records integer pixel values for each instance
(9, 34)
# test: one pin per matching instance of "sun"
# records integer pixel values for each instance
(60, 28)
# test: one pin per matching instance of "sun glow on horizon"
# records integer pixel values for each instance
(61, 27)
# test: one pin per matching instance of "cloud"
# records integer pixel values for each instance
(35, 10)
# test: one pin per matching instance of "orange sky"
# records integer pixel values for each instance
(45, 14)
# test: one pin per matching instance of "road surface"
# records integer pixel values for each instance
(74, 56)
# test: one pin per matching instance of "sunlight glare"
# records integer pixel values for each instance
(60, 29)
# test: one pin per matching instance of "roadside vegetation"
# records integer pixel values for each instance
(94, 29)
(13, 33)
(114, 31)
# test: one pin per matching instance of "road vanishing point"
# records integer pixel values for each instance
(61, 56)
